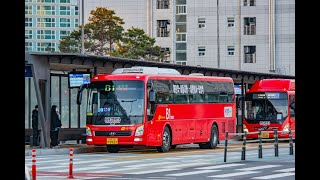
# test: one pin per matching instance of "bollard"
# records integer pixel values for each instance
(34, 174)
(291, 143)
(225, 147)
(243, 154)
(71, 164)
(260, 145)
(276, 146)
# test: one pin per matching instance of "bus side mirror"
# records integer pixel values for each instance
(152, 96)
(79, 94)
(152, 101)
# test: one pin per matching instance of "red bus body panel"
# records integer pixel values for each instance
(188, 123)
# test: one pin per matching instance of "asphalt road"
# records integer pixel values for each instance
(182, 163)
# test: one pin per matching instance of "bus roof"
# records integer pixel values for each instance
(273, 85)
(139, 76)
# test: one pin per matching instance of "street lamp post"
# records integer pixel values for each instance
(82, 27)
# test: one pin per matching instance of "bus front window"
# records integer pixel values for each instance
(116, 102)
(268, 106)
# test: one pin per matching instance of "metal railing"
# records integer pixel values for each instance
(276, 140)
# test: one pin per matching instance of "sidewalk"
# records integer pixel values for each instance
(64, 148)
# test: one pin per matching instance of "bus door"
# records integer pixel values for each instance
(292, 111)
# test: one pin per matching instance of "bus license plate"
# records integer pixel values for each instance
(112, 140)
(264, 135)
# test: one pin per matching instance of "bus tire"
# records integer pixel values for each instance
(113, 149)
(212, 144)
(166, 141)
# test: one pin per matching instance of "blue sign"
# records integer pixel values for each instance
(27, 71)
(77, 79)
(237, 88)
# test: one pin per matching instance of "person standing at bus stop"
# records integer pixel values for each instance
(55, 126)
(36, 126)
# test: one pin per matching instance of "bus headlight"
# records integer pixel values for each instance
(285, 129)
(88, 131)
(139, 131)
(245, 129)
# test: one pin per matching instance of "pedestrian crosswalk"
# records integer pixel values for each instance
(163, 168)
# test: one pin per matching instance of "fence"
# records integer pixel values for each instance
(275, 139)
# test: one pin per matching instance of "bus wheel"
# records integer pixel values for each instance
(166, 141)
(113, 149)
(212, 144)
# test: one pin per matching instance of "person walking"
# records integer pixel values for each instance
(55, 126)
(35, 126)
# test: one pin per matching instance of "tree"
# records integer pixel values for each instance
(106, 29)
(72, 42)
(100, 33)
(135, 44)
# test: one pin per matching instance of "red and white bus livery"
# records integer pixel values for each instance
(269, 105)
(158, 107)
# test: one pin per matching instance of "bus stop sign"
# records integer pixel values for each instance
(27, 71)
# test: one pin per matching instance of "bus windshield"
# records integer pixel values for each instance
(116, 102)
(266, 106)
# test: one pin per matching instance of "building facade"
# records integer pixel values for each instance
(48, 21)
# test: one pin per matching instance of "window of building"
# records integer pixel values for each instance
(230, 50)
(46, 1)
(46, 22)
(45, 10)
(28, 22)
(76, 10)
(28, 10)
(202, 50)
(65, 10)
(230, 21)
(163, 28)
(181, 18)
(45, 46)
(28, 34)
(46, 34)
(249, 54)
(181, 27)
(202, 22)
(64, 1)
(166, 52)
(162, 4)
(181, 9)
(64, 33)
(178, 2)
(249, 2)
(181, 47)
(28, 46)
(64, 22)
(181, 62)
(181, 37)
(76, 22)
(28, 0)
(249, 26)
(181, 56)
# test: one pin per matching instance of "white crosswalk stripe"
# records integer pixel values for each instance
(192, 172)
(272, 176)
(220, 166)
(235, 174)
(152, 171)
(285, 170)
(258, 167)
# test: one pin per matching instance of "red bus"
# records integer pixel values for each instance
(158, 107)
(269, 105)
